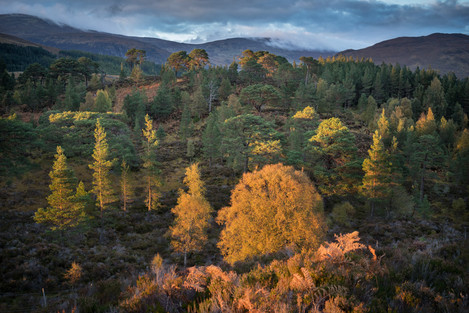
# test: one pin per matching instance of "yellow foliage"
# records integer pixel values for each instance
(271, 209)
(308, 113)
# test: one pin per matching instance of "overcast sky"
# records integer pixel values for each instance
(317, 24)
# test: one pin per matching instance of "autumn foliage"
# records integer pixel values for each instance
(271, 209)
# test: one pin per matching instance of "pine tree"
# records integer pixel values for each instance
(126, 186)
(185, 125)
(337, 168)
(150, 164)
(377, 179)
(63, 210)
(211, 138)
(383, 129)
(101, 166)
(426, 125)
(193, 214)
(102, 103)
(425, 158)
(368, 115)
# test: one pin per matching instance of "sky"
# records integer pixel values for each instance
(310, 24)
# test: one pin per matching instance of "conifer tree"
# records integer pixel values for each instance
(211, 138)
(426, 157)
(63, 210)
(103, 102)
(185, 127)
(337, 168)
(368, 114)
(150, 164)
(101, 166)
(377, 179)
(193, 214)
(426, 125)
(126, 187)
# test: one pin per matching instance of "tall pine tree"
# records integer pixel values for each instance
(193, 214)
(377, 180)
(63, 211)
(101, 166)
(150, 164)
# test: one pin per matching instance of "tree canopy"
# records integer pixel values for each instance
(271, 209)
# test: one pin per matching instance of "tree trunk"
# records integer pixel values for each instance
(185, 258)
(422, 179)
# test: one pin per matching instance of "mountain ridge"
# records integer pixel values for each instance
(49, 33)
(443, 52)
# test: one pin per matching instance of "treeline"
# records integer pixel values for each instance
(18, 58)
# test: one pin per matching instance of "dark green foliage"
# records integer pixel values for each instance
(18, 58)
(425, 161)
(211, 138)
(18, 140)
(162, 105)
(134, 107)
(249, 138)
(335, 161)
(260, 95)
(185, 127)
(74, 130)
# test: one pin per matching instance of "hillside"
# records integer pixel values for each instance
(64, 37)
(443, 52)
(12, 40)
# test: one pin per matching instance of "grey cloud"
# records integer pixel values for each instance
(342, 20)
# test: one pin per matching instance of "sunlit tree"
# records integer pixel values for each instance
(63, 210)
(271, 209)
(101, 166)
(150, 164)
(193, 214)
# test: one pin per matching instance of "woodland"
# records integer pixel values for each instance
(328, 185)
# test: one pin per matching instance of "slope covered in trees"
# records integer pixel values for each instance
(292, 160)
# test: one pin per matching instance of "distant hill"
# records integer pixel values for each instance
(12, 40)
(443, 52)
(64, 37)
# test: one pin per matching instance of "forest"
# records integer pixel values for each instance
(328, 185)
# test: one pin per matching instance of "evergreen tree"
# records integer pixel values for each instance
(162, 105)
(249, 137)
(185, 127)
(425, 159)
(369, 113)
(225, 89)
(160, 134)
(434, 98)
(101, 166)
(460, 162)
(377, 179)
(126, 185)
(193, 214)
(383, 129)
(63, 210)
(334, 152)
(426, 125)
(73, 96)
(211, 138)
(150, 164)
(102, 103)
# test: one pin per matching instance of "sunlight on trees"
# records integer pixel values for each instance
(271, 209)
